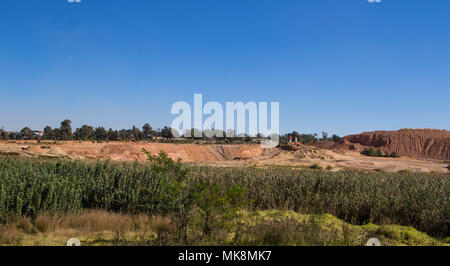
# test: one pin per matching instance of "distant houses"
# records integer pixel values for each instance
(38, 133)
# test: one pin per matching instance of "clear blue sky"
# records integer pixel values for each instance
(343, 66)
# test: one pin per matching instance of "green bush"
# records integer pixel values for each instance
(198, 205)
(368, 152)
(378, 153)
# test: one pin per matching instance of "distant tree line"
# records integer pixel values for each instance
(90, 133)
(86, 132)
(308, 138)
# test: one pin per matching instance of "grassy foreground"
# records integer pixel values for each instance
(271, 227)
(102, 202)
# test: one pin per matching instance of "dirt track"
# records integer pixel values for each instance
(223, 155)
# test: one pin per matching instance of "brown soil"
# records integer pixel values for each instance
(421, 150)
(307, 156)
(416, 143)
(133, 151)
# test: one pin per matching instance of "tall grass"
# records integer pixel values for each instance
(31, 187)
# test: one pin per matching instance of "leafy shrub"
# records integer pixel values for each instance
(378, 153)
(217, 208)
(368, 152)
(184, 199)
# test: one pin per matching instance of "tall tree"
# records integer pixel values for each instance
(26, 133)
(137, 133)
(101, 134)
(85, 133)
(66, 130)
(148, 131)
(324, 136)
(3, 134)
(166, 133)
(56, 133)
(113, 135)
(48, 133)
(125, 134)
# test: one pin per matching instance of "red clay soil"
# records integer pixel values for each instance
(415, 143)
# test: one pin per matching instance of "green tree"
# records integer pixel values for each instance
(148, 131)
(101, 134)
(3, 134)
(218, 207)
(56, 133)
(113, 135)
(85, 133)
(173, 196)
(137, 134)
(324, 136)
(187, 202)
(66, 130)
(166, 133)
(48, 133)
(26, 133)
(335, 138)
(125, 134)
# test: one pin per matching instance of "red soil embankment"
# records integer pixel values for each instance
(416, 143)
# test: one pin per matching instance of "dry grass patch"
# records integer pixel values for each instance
(91, 227)
(9, 235)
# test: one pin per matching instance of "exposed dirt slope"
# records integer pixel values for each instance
(133, 151)
(416, 143)
(187, 152)
(223, 155)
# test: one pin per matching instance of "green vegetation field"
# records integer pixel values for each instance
(227, 205)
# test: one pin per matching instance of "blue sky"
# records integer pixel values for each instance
(341, 66)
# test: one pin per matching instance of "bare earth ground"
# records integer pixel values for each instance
(222, 155)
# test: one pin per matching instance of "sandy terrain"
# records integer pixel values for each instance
(133, 151)
(223, 155)
(349, 159)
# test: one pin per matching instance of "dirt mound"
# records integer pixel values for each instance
(186, 152)
(416, 143)
(133, 151)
